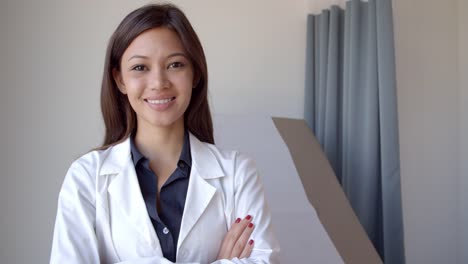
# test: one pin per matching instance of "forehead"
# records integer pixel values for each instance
(155, 42)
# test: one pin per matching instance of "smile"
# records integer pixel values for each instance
(159, 102)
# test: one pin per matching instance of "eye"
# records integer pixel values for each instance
(139, 68)
(175, 65)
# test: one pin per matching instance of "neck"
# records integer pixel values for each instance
(160, 143)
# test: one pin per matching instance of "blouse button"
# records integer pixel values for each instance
(165, 230)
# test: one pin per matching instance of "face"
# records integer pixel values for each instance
(157, 76)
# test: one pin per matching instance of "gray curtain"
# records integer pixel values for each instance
(351, 105)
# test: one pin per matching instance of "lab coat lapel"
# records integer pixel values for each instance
(205, 166)
(124, 190)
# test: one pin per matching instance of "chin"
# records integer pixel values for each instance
(165, 122)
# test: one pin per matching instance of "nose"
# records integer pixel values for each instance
(158, 80)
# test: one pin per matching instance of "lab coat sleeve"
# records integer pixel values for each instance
(161, 260)
(74, 239)
(249, 199)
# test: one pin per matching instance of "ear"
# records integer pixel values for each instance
(118, 80)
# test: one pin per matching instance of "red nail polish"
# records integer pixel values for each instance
(238, 220)
(251, 242)
(248, 217)
(250, 225)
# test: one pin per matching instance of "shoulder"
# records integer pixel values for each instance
(83, 172)
(234, 163)
(81, 175)
(91, 162)
(104, 161)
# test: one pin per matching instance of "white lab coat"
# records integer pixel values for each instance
(102, 217)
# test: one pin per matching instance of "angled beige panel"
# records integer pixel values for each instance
(302, 236)
(325, 193)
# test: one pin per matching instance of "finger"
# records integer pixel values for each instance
(247, 249)
(242, 241)
(224, 251)
(234, 233)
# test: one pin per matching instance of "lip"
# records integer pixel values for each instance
(160, 107)
(159, 97)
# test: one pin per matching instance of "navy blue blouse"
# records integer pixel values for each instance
(167, 221)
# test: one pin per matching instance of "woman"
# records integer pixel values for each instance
(158, 190)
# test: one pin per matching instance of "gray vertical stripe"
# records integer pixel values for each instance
(351, 106)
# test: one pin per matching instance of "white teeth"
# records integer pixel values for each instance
(163, 101)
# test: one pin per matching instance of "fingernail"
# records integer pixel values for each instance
(248, 217)
(250, 225)
(251, 242)
(238, 220)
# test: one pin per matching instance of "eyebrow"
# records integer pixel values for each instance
(169, 56)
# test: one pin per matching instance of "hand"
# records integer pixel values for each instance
(236, 243)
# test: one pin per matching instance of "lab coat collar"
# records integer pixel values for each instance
(115, 158)
(125, 190)
(202, 158)
(205, 166)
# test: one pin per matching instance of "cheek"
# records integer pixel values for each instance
(188, 82)
(187, 77)
(135, 86)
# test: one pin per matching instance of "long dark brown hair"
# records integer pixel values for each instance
(119, 117)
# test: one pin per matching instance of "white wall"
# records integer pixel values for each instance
(3, 132)
(49, 101)
(463, 74)
(50, 84)
(428, 94)
(317, 6)
(255, 52)
(430, 36)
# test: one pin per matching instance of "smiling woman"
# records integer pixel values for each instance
(158, 84)
(158, 190)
